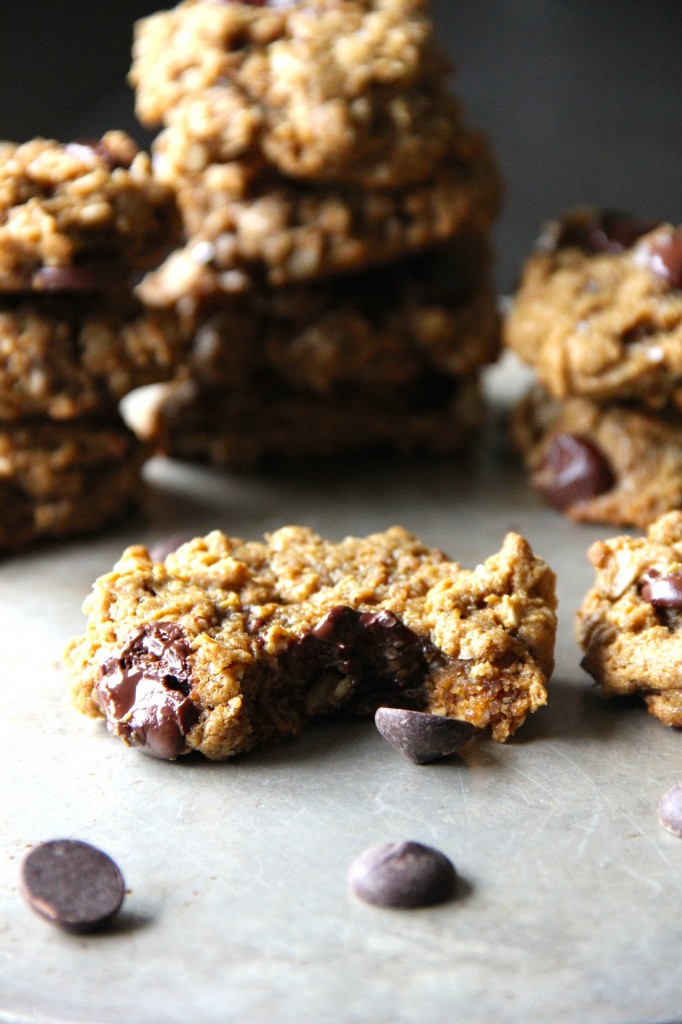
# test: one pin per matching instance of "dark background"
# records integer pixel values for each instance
(582, 98)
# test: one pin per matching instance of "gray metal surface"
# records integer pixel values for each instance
(237, 907)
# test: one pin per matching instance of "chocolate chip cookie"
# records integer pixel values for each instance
(63, 479)
(613, 463)
(352, 91)
(324, 335)
(80, 216)
(242, 428)
(599, 310)
(227, 646)
(246, 227)
(63, 356)
(629, 623)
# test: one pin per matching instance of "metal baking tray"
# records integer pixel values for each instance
(237, 907)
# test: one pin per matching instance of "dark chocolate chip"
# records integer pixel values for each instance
(665, 258)
(402, 875)
(670, 810)
(80, 278)
(420, 736)
(72, 884)
(597, 231)
(145, 691)
(572, 469)
(662, 591)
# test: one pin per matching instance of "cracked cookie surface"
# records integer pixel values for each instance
(228, 646)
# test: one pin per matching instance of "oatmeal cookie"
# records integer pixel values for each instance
(246, 427)
(61, 479)
(227, 646)
(247, 227)
(353, 90)
(630, 625)
(324, 335)
(64, 356)
(599, 310)
(602, 464)
(76, 217)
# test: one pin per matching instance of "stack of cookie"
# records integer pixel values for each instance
(335, 271)
(599, 316)
(77, 222)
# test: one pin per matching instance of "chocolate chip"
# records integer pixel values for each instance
(420, 736)
(145, 691)
(572, 469)
(595, 231)
(670, 810)
(665, 258)
(662, 591)
(402, 875)
(72, 884)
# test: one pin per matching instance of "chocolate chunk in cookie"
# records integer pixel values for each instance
(601, 463)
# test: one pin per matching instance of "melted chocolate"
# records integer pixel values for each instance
(145, 691)
(379, 659)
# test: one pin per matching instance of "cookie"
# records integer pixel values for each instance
(242, 428)
(615, 463)
(61, 479)
(227, 646)
(599, 310)
(64, 356)
(353, 91)
(80, 216)
(630, 625)
(324, 335)
(404, 143)
(247, 227)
